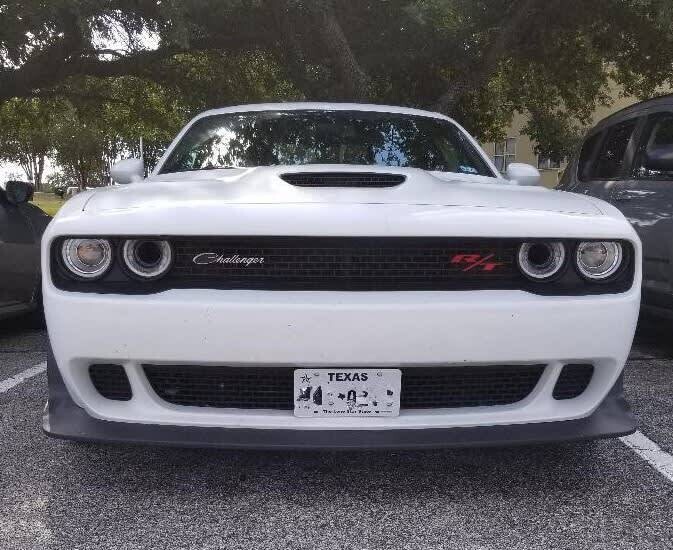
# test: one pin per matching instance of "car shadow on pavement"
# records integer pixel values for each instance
(653, 339)
(252, 499)
(304, 474)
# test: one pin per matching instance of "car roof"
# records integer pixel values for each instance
(655, 103)
(323, 106)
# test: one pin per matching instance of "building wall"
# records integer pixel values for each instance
(524, 147)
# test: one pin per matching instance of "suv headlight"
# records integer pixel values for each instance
(87, 258)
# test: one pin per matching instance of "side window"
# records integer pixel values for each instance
(586, 154)
(658, 132)
(611, 156)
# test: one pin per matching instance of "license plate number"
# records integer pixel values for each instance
(347, 392)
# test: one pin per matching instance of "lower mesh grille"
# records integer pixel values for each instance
(272, 387)
(474, 386)
(573, 380)
(111, 381)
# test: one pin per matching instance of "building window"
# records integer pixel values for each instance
(545, 163)
(505, 152)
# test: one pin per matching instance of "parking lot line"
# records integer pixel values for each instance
(649, 451)
(15, 380)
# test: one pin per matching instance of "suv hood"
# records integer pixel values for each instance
(263, 185)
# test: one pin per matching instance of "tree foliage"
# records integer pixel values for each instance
(26, 134)
(476, 60)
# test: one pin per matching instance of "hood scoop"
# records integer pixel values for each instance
(343, 179)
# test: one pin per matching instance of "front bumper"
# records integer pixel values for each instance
(319, 329)
(65, 420)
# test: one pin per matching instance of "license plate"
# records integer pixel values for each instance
(347, 392)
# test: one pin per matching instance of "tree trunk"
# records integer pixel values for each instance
(354, 79)
(39, 171)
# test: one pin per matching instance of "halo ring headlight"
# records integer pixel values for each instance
(598, 260)
(541, 260)
(87, 258)
(147, 258)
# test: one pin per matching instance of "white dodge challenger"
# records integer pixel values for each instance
(321, 275)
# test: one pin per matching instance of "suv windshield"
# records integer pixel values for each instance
(268, 138)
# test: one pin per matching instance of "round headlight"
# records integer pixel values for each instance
(599, 259)
(87, 258)
(541, 260)
(147, 258)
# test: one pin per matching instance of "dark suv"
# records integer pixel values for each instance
(627, 160)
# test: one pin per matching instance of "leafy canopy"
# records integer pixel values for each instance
(476, 60)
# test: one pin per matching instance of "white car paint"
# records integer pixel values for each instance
(325, 328)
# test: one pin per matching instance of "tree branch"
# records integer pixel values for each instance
(57, 63)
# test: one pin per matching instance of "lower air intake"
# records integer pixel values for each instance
(111, 381)
(272, 387)
(573, 380)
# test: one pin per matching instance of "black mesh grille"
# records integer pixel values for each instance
(272, 387)
(111, 381)
(473, 386)
(573, 380)
(343, 179)
(224, 387)
(345, 263)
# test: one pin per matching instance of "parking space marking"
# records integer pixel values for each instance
(15, 380)
(649, 451)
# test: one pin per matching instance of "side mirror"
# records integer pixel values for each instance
(128, 171)
(17, 192)
(523, 174)
(659, 158)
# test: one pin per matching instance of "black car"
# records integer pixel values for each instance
(627, 160)
(21, 228)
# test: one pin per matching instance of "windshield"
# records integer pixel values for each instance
(269, 138)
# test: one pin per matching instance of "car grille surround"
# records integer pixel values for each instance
(272, 387)
(279, 263)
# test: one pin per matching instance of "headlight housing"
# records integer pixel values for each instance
(87, 258)
(541, 260)
(598, 260)
(147, 258)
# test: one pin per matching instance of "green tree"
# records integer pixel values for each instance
(26, 134)
(104, 119)
(477, 60)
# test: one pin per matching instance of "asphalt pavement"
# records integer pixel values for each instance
(597, 495)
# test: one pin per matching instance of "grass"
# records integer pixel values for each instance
(48, 202)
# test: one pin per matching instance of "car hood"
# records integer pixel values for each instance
(263, 185)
